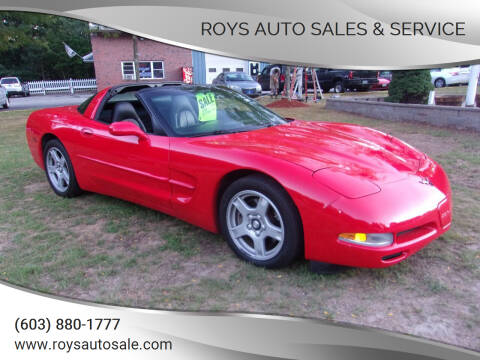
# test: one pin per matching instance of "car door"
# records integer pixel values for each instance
(323, 79)
(464, 74)
(264, 78)
(123, 166)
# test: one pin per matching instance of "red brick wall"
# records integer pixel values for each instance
(110, 51)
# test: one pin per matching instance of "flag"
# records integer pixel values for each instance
(88, 58)
(70, 52)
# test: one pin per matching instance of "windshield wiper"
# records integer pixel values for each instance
(220, 132)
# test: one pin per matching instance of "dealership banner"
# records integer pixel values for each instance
(343, 34)
(38, 326)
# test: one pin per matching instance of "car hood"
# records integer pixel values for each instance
(243, 84)
(332, 148)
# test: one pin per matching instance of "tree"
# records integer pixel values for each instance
(31, 46)
(410, 86)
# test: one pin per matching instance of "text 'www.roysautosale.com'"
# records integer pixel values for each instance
(93, 345)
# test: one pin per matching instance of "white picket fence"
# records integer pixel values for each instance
(61, 86)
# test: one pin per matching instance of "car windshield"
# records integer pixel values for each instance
(240, 76)
(203, 111)
(9, 81)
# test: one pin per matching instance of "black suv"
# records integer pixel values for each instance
(264, 77)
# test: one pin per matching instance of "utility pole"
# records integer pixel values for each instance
(135, 57)
(286, 85)
(472, 85)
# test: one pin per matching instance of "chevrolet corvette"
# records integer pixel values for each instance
(275, 188)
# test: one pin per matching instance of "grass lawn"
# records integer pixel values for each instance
(454, 90)
(106, 250)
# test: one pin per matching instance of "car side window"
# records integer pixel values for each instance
(137, 110)
(83, 106)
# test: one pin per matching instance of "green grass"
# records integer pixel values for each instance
(107, 250)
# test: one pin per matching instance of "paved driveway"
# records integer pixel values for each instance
(46, 101)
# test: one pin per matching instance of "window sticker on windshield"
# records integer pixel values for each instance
(207, 106)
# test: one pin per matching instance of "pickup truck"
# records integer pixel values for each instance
(341, 80)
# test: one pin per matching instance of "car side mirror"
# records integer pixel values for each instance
(126, 128)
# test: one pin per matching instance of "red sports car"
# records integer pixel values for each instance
(275, 188)
(381, 85)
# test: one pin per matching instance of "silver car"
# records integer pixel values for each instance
(4, 102)
(238, 81)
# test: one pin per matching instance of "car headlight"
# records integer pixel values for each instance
(375, 240)
(259, 88)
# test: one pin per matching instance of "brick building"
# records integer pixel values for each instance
(113, 59)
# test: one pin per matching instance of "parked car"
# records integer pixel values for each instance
(14, 86)
(385, 75)
(238, 81)
(450, 76)
(275, 188)
(384, 78)
(342, 80)
(4, 102)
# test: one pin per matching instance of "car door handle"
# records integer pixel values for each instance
(87, 131)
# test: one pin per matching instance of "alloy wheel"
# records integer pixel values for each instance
(57, 169)
(255, 225)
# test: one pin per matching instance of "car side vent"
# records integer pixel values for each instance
(392, 256)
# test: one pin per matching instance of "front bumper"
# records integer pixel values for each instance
(14, 91)
(415, 211)
(252, 92)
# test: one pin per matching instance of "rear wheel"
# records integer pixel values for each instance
(7, 103)
(59, 170)
(260, 222)
(439, 83)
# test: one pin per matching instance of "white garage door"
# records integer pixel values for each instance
(217, 64)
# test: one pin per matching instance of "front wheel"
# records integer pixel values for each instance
(260, 222)
(338, 87)
(59, 170)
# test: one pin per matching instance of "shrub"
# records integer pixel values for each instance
(410, 87)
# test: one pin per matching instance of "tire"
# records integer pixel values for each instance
(7, 103)
(255, 207)
(439, 83)
(59, 170)
(338, 87)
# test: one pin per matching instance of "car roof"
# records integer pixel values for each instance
(234, 72)
(10, 77)
(117, 89)
(178, 89)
